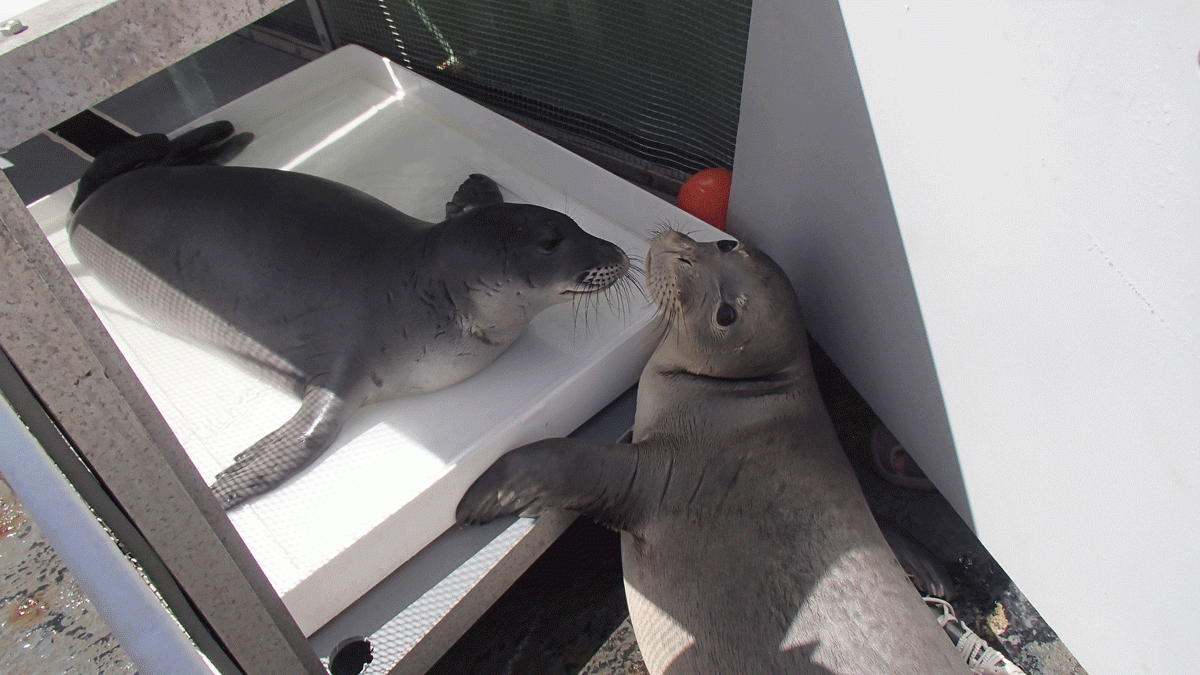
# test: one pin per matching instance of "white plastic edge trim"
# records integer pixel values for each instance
(148, 633)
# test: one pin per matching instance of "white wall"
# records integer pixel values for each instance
(991, 212)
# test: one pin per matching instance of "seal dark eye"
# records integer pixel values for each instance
(726, 314)
(550, 243)
(727, 245)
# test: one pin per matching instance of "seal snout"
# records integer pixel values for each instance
(672, 254)
(599, 278)
(612, 267)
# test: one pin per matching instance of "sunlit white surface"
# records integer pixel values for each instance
(389, 484)
(990, 210)
(13, 9)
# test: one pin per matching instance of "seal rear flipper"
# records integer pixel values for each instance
(558, 473)
(211, 154)
(223, 152)
(120, 158)
(212, 143)
(190, 142)
(477, 190)
(284, 452)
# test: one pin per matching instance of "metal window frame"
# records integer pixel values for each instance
(87, 390)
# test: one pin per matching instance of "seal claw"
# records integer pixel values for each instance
(493, 495)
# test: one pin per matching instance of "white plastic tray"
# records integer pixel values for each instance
(390, 483)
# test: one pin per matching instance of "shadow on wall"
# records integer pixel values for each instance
(810, 190)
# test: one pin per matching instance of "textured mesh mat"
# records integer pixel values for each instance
(657, 79)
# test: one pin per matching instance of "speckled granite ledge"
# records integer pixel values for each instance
(76, 53)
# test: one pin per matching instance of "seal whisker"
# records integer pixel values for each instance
(631, 285)
(612, 298)
(662, 226)
(620, 295)
(581, 308)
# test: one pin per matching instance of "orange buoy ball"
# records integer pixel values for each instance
(706, 196)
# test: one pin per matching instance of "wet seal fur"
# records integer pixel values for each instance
(747, 545)
(323, 288)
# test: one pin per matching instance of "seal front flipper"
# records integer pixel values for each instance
(282, 453)
(603, 482)
(477, 190)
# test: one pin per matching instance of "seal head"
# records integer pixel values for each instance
(547, 259)
(730, 311)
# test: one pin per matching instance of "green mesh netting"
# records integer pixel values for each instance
(657, 79)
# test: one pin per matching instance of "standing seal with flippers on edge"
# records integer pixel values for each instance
(747, 545)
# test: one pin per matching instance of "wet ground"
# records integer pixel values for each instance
(47, 625)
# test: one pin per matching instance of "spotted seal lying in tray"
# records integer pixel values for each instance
(320, 286)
